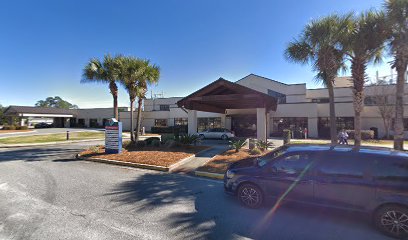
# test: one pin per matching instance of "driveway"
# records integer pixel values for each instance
(45, 194)
(42, 131)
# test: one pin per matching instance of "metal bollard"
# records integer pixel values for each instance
(67, 135)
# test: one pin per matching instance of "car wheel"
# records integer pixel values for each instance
(201, 136)
(392, 220)
(224, 137)
(250, 195)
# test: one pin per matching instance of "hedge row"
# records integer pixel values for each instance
(365, 134)
(14, 127)
(170, 129)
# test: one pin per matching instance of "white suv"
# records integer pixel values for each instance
(219, 133)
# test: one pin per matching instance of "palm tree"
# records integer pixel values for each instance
(397, 18)
(319, 46)
(103, 72)
(363, 43)
(130, 71)
(150, 76)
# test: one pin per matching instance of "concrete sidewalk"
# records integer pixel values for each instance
(200, 159)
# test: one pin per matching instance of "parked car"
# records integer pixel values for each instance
(217, 133)
(367, 179)
(44, 125)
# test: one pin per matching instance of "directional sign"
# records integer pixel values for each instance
(113, 138)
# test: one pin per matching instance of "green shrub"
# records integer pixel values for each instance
(237, 144)
(286, 136)
(264, 145)
(172, 144)
(255, 151)
(365, 134)
(150, 140)
(9, 127)
(21, 127)
(189, 139)
(126, 144)
(140, 144)
(94, 149)
(251, 143)
(167, 137)
(155, 143)
(169, 129)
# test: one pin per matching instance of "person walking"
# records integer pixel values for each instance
(343, 137)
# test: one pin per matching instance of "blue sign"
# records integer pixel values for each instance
(113, 137)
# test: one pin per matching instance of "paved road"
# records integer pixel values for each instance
(41, 131)
(44, 194)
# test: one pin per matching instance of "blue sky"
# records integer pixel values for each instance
(45, 44)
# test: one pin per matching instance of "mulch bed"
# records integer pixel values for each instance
(219, 163)
(157, 156)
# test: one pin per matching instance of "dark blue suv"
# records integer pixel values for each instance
(367, 179)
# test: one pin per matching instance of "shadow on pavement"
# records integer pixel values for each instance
(218, 216)
(38, 154)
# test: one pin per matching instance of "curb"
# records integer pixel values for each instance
(127, 164)
(141, 165)
(217, 176)
(47, 143)
(187, 159)
(13, 133)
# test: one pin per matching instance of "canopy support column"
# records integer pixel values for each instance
(192, 121)
(261, 124)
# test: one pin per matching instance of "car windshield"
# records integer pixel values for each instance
(262, 161)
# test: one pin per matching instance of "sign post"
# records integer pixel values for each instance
(113, 137)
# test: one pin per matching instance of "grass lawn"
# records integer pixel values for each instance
(219, 163)
(158, 156)
(58, 137)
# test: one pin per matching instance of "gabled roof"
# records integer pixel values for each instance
(222, 94)
(12, 110)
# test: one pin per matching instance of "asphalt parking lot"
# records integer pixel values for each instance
(46, 194)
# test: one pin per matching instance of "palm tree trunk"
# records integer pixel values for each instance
(114, 91)
(139, 117)
(115, 107)
(131, 121)
(399, 108)
(358, 67)
(357, 128)
(333, 128)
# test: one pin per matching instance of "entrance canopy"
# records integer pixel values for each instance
(222, 94)
(23, 111)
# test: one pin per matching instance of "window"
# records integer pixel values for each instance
(208, 123)
(342, 165)
(160, 122)
(296, 124)
(393, 170)
(320, 100)
(81, 122)
(164, 107)
(93, 122)
(341, 123)
(180, 122)
(293, 164)
(279, 96)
